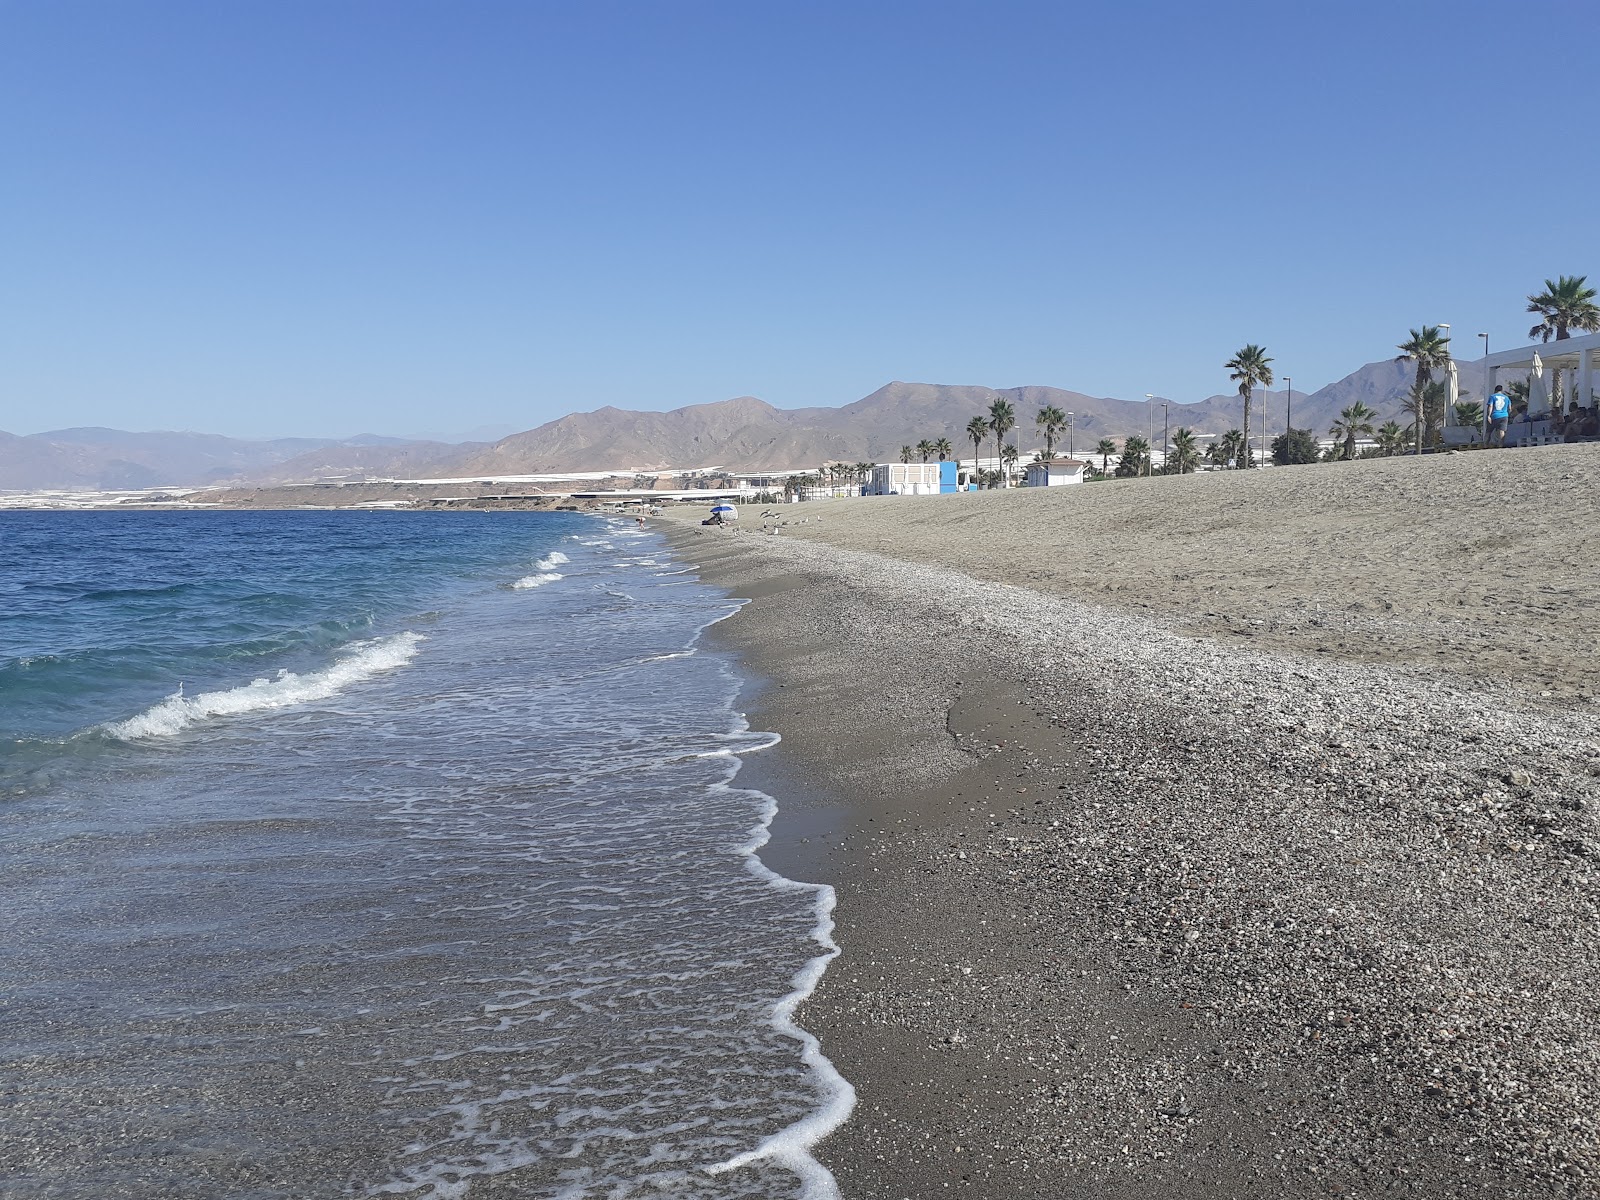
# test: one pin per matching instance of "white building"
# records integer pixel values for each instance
(1056, 472)
(905, 479)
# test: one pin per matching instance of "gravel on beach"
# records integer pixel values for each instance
(1131, 912)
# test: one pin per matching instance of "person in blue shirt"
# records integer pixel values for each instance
(1499, 414)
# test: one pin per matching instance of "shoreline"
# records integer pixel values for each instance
(1101, 939)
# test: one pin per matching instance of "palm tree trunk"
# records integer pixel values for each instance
(1245, 453)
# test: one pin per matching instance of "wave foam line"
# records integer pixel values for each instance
(362, 661)
(552, 560)
(539, 580)
(791, 1147)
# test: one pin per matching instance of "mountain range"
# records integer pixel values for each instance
(744, 434)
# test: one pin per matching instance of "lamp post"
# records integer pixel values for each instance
(1166, 437)
(1070, 453)
(1150, 411)
(1444, 327)
(1488, 386)
(1288, 410)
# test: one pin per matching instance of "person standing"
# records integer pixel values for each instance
(1499, 414)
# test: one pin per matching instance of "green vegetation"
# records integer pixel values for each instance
(1250, 367)
(1184, 456)
(1295, 448)
(1354, 420)
(1135, 458)
(1564, 305)
(1051, 421)
(1002, 419)
(1105, 448)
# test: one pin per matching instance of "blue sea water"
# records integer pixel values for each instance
(387, 854)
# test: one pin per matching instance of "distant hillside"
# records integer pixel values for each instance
(742, 434)
(749, 434)
(113, 459)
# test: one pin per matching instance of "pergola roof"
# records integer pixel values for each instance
(1569, 352)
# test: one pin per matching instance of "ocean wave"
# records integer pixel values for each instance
(539, 580)
(177, 712)
(552, 560)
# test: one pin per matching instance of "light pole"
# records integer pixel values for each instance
(1150, 411)
(1444, 327)
(1488, 386)
(1166, 436)
(1288, 410)
(1070, 453)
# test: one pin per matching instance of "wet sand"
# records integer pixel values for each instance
(1216, 836)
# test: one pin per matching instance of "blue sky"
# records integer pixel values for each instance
(328, 218)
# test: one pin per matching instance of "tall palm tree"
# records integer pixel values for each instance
(1002, 419)
(942, 448)
(1051, 421)
(907, 454)
(977, 430)
(1185, 453)
(1563, 306)
(1354, 420)
(924, 448)
(1430, 350)
(1391, 439)
(864, 472)
(1105, 449)
(1249, 367)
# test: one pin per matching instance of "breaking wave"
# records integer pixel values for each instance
(178, 712)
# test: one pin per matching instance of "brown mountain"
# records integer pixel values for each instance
(749, 434)
(742, 434)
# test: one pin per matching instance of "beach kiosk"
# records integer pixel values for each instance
(1561, 389)
(1055, 472)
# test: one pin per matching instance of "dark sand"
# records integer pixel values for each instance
(1084, 949)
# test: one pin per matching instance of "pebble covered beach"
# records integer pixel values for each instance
(1178, 881)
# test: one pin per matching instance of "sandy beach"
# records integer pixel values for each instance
(1227, 835)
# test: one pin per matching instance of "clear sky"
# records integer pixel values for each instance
(327, 217)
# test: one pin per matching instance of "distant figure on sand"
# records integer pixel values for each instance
(1499, 414)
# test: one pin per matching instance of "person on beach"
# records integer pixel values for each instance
(1499, 414)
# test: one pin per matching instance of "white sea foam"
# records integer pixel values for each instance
(552, 560)
(791, 1147)
(362, 660)
(539, 580)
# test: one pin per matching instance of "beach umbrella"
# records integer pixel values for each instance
(727, 511)
(1453, 395)
(1538, 393)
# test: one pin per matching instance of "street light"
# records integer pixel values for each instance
(1150, 409)
(1488, 386)
(1070, 453)
(1288, 409)
(1166, 440)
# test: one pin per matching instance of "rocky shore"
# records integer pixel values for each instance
(1127, 911)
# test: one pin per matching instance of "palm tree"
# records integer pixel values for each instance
(1135, 457)
(1353, 421)
(1051, 421)
(907, 454)
(1563, 306)
(1185, 453)
(1250, 367)
(864, 472)
(1229, 448)
(1429, 349)
(924, 448)
(942, 448)
(977, 430)
(1470, 413)
(1002, 419)
(1008, 459)
(1105, 450)
(1424, 404)
(1391, 439)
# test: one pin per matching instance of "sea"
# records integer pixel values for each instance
(388, 854)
